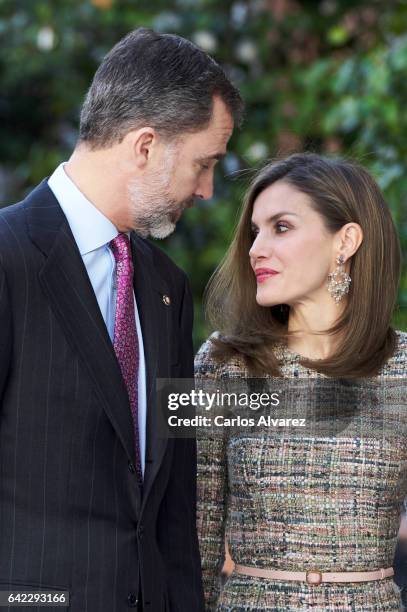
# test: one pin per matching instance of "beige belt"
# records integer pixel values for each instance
(314, 577)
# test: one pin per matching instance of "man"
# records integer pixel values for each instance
(93, 502)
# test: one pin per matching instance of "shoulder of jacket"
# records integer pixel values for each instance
(397, 364)
(9, 214)
(207, 365)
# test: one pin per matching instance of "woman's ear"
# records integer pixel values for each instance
(350, 237)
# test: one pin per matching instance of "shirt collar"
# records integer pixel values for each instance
(90, 228)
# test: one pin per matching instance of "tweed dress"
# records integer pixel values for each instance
(303, 503)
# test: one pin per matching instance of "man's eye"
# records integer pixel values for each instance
(205, 166)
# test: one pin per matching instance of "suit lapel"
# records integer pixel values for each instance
(66, 283)
(149, 288)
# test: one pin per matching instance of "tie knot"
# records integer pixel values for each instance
(121, 248)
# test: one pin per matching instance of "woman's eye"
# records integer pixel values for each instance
(281, 228)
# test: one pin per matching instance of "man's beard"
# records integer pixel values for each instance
(155, 212)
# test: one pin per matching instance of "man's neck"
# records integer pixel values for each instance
(94, 175)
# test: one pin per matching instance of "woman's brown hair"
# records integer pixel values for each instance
(341, 192)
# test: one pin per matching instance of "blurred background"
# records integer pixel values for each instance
(328, 76)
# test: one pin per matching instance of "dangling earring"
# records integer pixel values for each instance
(339, 281)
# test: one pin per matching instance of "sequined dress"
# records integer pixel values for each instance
(331, 503)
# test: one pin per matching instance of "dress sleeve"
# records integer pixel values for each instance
(211, 491)
(400, 367)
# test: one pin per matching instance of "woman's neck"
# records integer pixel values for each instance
(308, 324)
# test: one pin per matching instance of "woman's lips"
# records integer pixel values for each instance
(262, 274)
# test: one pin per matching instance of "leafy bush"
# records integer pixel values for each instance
(327, 76)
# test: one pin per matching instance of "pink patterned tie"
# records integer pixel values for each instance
(125, 341)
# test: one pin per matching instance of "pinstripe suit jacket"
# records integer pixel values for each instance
(71, 513)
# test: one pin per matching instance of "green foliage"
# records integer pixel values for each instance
(327, 76)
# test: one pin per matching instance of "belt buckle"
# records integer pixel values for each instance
(313, 577)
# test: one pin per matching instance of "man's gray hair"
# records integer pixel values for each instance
(158, 80)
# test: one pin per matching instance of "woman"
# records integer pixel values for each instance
(306, 291)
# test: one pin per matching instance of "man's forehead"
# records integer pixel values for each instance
(213, 142)
(209, 143)
(205, 142)
(221, 114)
(221, 130)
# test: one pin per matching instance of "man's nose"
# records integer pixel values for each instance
(204, 190)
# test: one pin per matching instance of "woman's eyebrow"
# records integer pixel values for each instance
(277, 216)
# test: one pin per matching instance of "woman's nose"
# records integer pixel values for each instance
(259, 248)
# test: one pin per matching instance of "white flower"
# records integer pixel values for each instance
(206, 40)
(246, 51)
(46, 38)
(257, 151)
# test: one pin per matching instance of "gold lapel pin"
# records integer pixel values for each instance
(166, 300)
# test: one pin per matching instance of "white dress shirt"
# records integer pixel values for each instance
(93, 232)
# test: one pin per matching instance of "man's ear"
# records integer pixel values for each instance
(141, 145)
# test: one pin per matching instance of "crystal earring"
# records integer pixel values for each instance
(339, 281)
